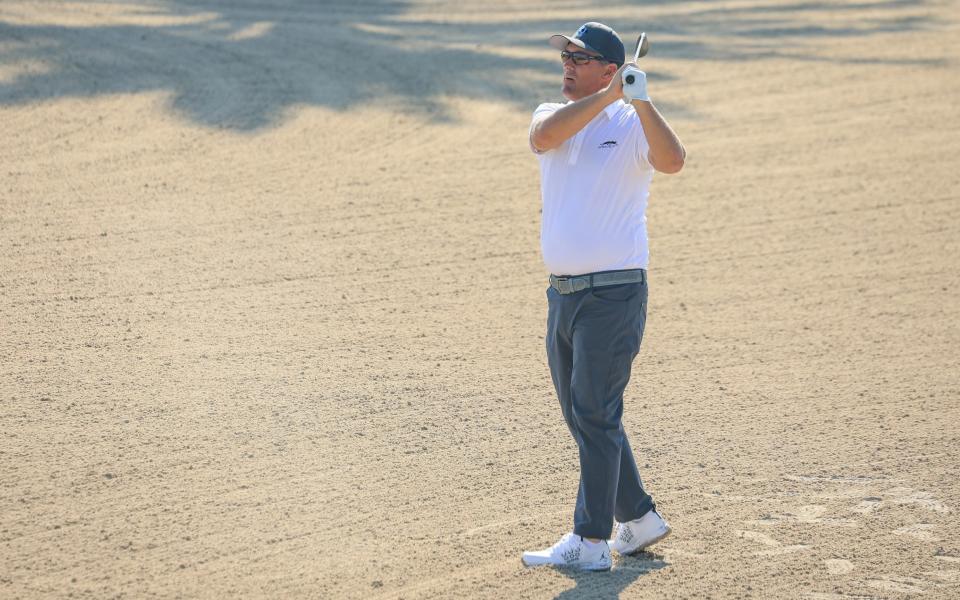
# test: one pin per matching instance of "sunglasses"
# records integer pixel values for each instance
(580, 58)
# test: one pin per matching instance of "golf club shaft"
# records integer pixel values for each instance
(636, 55)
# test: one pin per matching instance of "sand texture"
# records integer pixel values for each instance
(272, 305)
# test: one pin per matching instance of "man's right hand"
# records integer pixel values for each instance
(615, 88)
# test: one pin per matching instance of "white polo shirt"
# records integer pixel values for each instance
(595, 188)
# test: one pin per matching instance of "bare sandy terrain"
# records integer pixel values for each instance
(272, 305)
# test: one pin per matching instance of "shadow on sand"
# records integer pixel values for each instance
(608, 586)
(240, 64)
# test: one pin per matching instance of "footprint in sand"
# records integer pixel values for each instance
(756, 536)
(922, 499)
(774, 547)
(868, 501)
(946, 557)
(945, 576)
(811, 514)
(868, 505)
(920, 531)
(814, 513)
(900, 496)
(838, 566)
(901, 585)
(854, 486)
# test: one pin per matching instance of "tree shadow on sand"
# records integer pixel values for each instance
(242, 65)
(609, 586)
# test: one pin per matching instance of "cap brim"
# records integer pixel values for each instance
(560, 42)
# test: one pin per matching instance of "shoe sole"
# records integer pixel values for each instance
(640, 549)
(591, 567)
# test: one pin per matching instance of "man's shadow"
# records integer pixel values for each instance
(608, 586)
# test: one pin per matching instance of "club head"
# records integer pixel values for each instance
(643, 46)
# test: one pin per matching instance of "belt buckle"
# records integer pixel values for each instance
(564, 285)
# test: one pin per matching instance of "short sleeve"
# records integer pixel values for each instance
(542, 112)
(641, 145)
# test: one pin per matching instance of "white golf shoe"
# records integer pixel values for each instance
(636, 535)
(574, 552)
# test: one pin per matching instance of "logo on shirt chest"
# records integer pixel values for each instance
(608, 145)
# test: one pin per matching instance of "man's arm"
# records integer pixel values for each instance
(565, 122)
(666, 152)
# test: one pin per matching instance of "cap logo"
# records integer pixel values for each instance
(581, 31)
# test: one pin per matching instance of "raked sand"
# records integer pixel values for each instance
(272, 306)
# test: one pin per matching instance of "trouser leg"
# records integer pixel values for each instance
(560, 353)
(632, 501)
(605, 335)
(559, 343)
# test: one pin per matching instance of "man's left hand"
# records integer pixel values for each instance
(635, 86)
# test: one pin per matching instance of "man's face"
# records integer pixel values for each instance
(580, 81)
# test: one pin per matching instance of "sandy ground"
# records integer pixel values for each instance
(272, 305)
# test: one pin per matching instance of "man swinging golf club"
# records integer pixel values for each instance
(597, 157)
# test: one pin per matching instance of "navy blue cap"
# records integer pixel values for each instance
(596, 37)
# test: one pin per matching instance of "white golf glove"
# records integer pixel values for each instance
(635, 84)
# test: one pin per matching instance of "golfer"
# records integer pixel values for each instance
(597, 157)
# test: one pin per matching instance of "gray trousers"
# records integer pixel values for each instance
(592, 338)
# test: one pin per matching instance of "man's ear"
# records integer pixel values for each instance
(611, 70)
